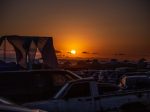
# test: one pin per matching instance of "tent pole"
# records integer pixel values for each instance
(5, 49)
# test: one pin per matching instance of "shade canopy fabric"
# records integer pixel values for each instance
(26, 51)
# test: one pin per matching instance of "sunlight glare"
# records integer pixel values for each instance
(73, 51)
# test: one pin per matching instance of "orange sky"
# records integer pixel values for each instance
(99, 28)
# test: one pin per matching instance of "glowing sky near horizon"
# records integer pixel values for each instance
(96, 28)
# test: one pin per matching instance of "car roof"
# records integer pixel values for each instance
(14, 108)
(82, 80)
(135, 73)
(5, 101)
(137, 76)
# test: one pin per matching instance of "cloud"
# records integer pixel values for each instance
(85, 52)
(69, 52)
(119, 54)
(95, 53)
(57, 51)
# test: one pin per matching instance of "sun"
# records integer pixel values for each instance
(73, 51)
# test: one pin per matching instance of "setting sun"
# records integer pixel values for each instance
(73, 51)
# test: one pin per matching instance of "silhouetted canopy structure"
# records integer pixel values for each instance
(25, 51)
